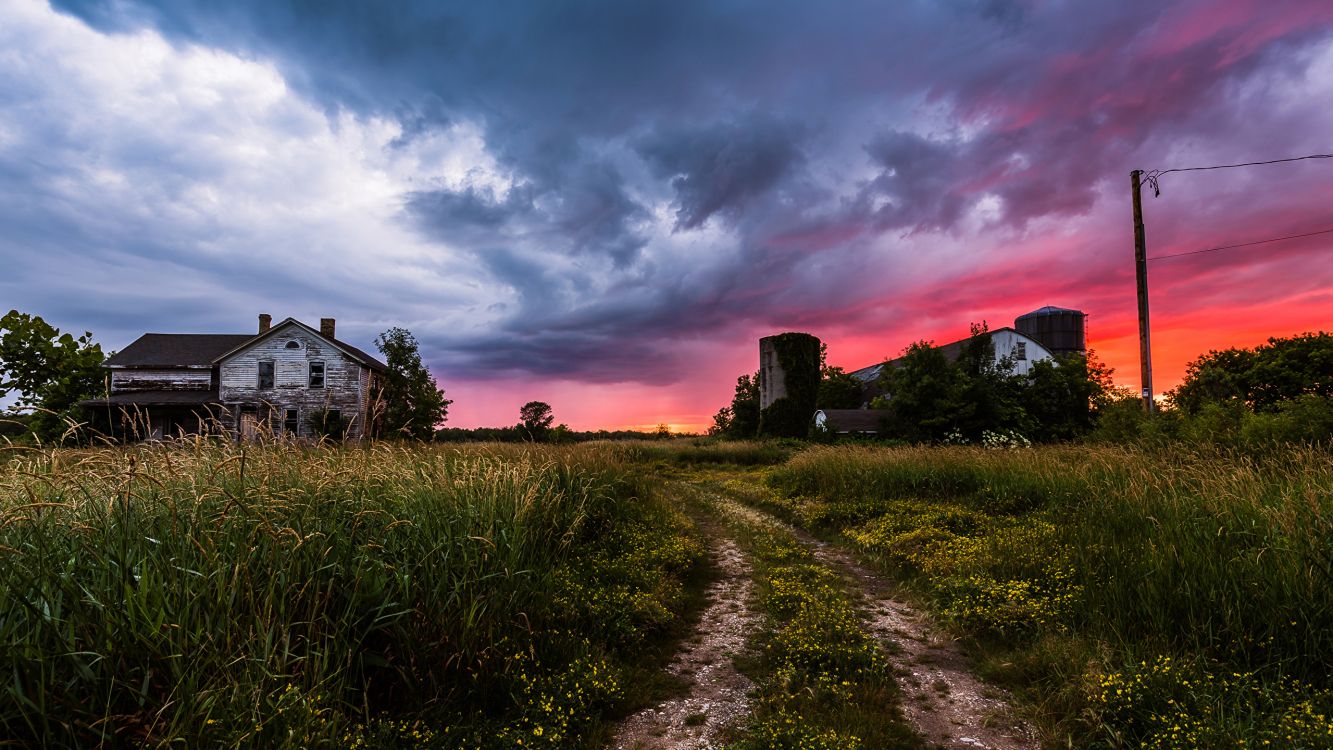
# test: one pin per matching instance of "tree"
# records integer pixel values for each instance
(721, 422)
(839, 390)
(1262, 378)
(49, 371)
(1064, 398)
(535, 420)
(925, 394)
(744, 410)
(991, 393)
(413, 405)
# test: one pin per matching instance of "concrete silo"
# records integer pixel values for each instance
(788, 383)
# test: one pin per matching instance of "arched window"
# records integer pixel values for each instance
(293, 344)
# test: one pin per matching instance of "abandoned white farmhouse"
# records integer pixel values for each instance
(288, 377)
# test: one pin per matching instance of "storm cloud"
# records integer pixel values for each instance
(583, 191)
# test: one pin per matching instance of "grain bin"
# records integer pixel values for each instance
(1059, 329)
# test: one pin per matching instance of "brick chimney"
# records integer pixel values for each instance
(265, 321)
(326, 327)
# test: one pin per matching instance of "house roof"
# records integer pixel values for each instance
(346, 348)
(183, 350)
(854, 420)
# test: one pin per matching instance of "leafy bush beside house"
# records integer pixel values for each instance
(48, 371)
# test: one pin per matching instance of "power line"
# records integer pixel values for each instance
(1242, 244)
(1151, 176)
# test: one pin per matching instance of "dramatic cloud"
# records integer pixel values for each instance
(721, 169)
(599, 197)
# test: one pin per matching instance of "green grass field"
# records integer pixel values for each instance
(486, 596)
(1174, 599)
(284, 596)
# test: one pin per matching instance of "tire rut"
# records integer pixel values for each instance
(718, 694)
(942, 698)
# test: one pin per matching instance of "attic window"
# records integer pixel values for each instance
(293, 344)
(1021, 351)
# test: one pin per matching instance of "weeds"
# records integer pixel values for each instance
(1074, 564)
(822, 680)
(269, 596)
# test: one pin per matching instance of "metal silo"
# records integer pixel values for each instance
(1059, 329)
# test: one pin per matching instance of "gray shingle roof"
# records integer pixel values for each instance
(177, 349)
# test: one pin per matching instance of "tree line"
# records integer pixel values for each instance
(1281, 391)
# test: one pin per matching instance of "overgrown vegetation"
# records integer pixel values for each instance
(277, 596)
(1137, 599)
(822, 681)
(934, 399)
(798, 355)
(48, 373)
(410, 404)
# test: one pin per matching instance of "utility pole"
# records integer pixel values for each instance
(1141, 273)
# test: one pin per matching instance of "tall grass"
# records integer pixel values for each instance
(202, 592)
(695, 451)
(1223, 559)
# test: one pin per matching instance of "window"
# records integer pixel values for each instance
(265, 376)
(333, 417)
(290, 421)
(316, 374)
(1021, 351)
(293, 344)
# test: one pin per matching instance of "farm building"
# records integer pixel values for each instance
(288, 378)
(851, 421)
(1040, 335)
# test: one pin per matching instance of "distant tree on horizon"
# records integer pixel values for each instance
(535, 419)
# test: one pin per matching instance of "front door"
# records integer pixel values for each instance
(249, 426)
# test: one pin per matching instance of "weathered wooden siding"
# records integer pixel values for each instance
(178, 379)
(343, 379)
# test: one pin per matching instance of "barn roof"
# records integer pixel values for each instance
(854, 420)
(177, 349)
(951, 351)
